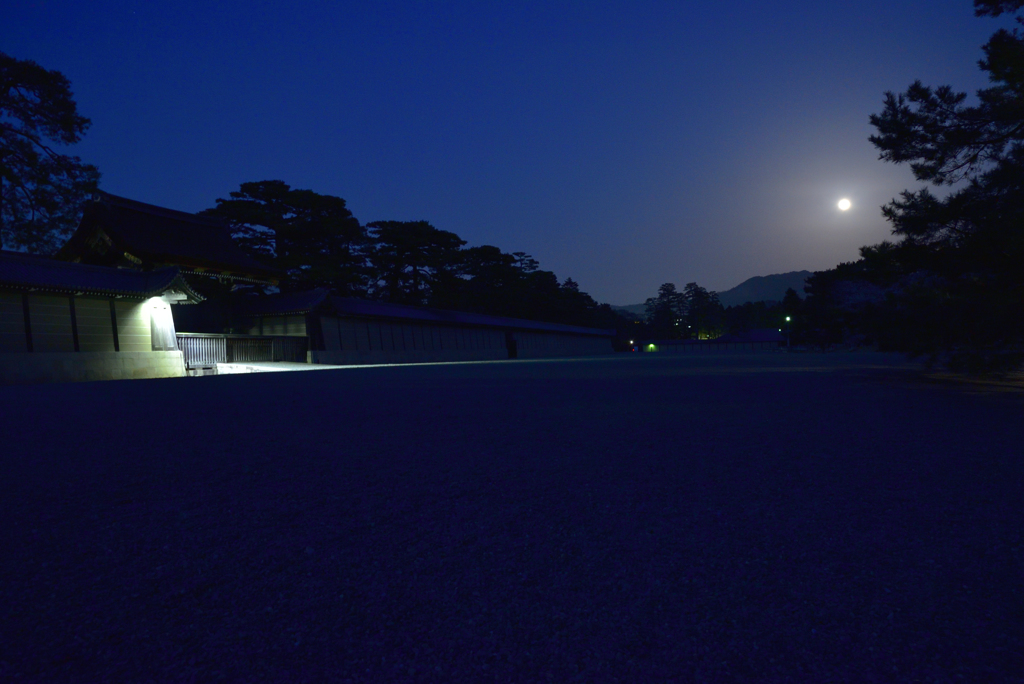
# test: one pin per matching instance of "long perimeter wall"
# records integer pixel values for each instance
(543, 345)
(363, 340)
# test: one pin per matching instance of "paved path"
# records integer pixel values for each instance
(643, 518)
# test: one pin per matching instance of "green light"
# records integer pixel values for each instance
(787, 319)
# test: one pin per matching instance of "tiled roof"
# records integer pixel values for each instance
(365, 307)
(21, 271)
(282, 304)
(304, 302)
(158, 235)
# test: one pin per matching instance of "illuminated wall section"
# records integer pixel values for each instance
(95, 333)
(133, 326)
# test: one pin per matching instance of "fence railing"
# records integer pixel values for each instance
(251, 349)
(206, 350)
(202, 350)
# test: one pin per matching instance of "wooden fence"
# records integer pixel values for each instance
(204, 350)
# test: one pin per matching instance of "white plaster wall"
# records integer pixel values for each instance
(133, 329)
(94, 330)
(22, 368)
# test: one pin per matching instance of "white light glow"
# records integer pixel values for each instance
(161, 323)
(844, 204)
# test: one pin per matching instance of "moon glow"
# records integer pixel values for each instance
(844, 204)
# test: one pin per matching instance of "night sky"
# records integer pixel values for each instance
(623, 144)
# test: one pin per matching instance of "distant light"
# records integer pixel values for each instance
(787, 319)
(844, 204)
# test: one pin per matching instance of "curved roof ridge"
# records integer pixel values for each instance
(153, 235)
(153, 209)
(355, 306)
(21, 271)
(309, 300)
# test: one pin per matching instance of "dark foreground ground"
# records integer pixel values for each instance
(758, 519)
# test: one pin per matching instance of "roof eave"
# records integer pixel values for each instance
(229, 275)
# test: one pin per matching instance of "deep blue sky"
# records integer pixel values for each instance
(624, 144)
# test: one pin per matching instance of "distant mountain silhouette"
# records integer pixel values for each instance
(638, 309)
(769, 288)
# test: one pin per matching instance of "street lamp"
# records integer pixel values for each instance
(788, 319)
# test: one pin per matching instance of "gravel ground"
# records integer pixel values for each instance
(768, 518)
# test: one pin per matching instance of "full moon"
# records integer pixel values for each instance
(844, 204)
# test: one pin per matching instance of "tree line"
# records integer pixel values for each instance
(42, 188)
(696, 313)
(315, 241)
(950, 285)
(693, 313)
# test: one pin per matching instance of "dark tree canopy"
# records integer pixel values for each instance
(316, 242)
(665, 311)
(976, 147)
(410, 259)
(694, 313)
(41, 189)
(491, 282)
(704, 313)
(312, 238)
(946, 286)
(487, 280)
(994, 8)
(791, 302)
(525, 262)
